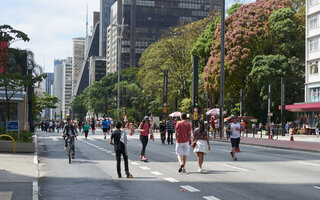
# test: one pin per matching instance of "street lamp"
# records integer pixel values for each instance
(119, 39)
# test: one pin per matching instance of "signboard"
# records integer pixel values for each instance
(195, 116)
(13, 126)
(195, 109)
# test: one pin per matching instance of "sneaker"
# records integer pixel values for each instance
(141, 157)
(144, 158)
(184, 170)
(235, 158)
(129, 175)
(180, 170)
(72, 156)
(104, 137)
(119, 176)
(199, 170)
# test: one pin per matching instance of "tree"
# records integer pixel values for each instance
(43, 101)
(11, 79)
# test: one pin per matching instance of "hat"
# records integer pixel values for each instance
(145, 117)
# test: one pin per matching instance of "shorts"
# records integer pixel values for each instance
(183, 149)
(235, 142)
(202, 146)
(104, 129)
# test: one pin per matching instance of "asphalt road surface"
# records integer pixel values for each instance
(259, 173)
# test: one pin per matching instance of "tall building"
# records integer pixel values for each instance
(48, 88)
(312, 76)
(147, 21)
(58, 84)
(77, 59)
(105, 6)
(97, 68)
(67, 86)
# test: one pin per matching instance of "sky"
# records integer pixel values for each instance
(50, 25)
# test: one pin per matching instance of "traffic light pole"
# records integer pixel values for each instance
(195, 90)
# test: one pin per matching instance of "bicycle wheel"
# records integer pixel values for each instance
(69, 153)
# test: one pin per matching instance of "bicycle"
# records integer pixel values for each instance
(70, 146)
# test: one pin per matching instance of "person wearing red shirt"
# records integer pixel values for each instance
(183, 134)
(212, 126)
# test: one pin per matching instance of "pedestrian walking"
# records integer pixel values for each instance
(119, 139)
(163, 131)
(106, 126)
(80, 124)
(317, 129)
(234, 129)
(183, 135)
(201, 143)
(145, 129)
(86, 128)
(93, 126)
(170, 129)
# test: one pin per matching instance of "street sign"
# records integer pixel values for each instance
(195, 116)
(195, 109)
(164, 109)
(13, 126)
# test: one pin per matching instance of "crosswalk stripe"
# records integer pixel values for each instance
(172, 180)
(235, 167)
(210, 198)
(189, 188)
(156, 173)
(144, 168)
(135, 163)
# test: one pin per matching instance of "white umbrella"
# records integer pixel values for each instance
(215, 111)
(175, 114)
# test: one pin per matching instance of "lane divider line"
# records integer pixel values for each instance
(307, 163)
(189, 188)
(156, 173)
(55, 139)
(144, 168)
(134, 163)
(239, 168)
(317, 187)
(35, 190)
(210, 198)
(172, 180)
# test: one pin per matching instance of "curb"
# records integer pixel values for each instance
(268, 146)
(35, 184)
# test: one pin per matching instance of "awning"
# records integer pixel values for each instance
(303, 107)
(19, 96)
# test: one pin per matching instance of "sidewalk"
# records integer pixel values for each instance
(303, 143)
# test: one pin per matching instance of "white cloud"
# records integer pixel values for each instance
(50, 24)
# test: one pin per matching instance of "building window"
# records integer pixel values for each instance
(314, 2)
(314, 67)
(314, 22)
(314, 45)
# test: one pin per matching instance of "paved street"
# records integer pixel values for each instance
(260, 173)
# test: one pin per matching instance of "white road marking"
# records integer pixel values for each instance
(35, 190)
(172, 180)
(108, 151)
(317, 187)
(145, 168)
(225, 150)
(35, 159)
(135, 163)
(235, 167)
(55, 139)
(189, 188)
(113, 154)
(156, 173)
(307, 163)
(210, 198)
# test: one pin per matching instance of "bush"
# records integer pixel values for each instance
(25, 136)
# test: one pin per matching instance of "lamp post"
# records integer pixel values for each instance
(119, 40)
(222, 69)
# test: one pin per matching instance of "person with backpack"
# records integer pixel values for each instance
(200, 143)
(119, 140)
(145, 128)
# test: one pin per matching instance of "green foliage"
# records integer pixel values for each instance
(234, 8)
(43, 101)
(25, 136)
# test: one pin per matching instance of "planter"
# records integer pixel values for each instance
(21, 147)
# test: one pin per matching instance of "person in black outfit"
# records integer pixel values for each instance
(163, 131)
(120, 140)
(69, 131)
(93, 126)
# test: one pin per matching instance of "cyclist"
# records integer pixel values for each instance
(70, 131)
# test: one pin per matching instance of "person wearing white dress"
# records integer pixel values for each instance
(200, 136)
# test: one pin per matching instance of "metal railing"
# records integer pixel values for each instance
(14, 143)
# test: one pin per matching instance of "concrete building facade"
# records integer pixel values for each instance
(48, 88)
(77, 59)
(312, 75)
(67, 86)
(58, 84)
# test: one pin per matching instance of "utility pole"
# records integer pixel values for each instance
(283, 105)
(195, 90)
(222, 69)
(165, 93)
(269, 104)
(240, 102)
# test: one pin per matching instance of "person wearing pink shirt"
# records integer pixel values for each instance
(145, 128)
